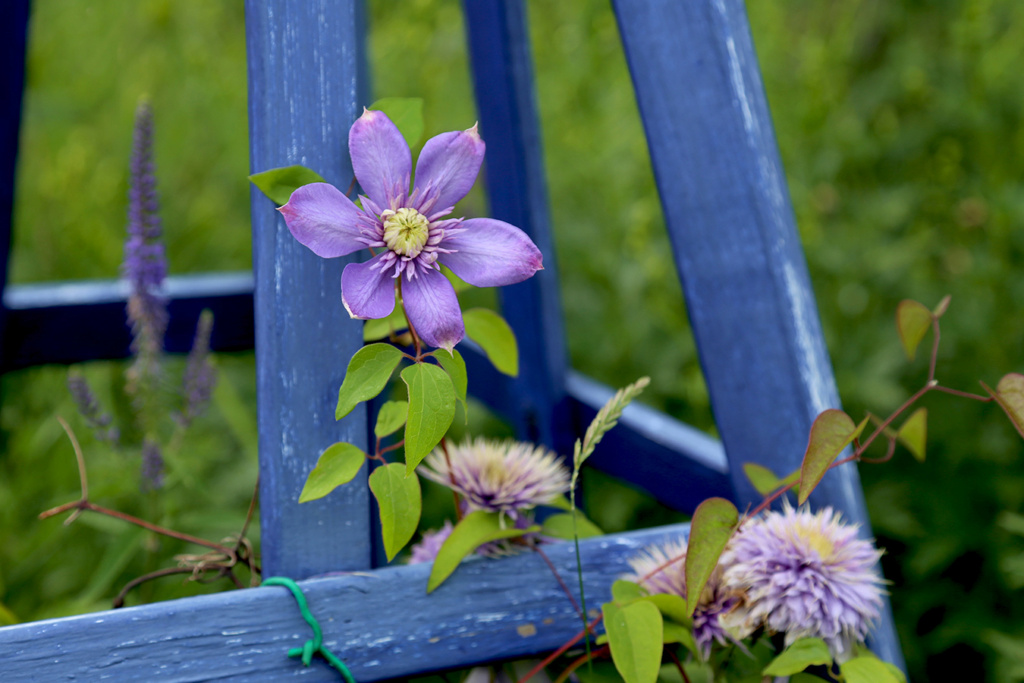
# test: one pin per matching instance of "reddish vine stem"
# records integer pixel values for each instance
(580, 661)
(679, 665)
(885, 458)
(565, 588)
(963, 394)
(416, 343)
(560, 651)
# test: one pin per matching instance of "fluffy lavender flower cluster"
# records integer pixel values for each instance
(795, 572)
(507, 477)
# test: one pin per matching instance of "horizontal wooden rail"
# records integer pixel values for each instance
(73, 322)
(382, 624)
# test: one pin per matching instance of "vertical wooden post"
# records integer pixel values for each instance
(304, 87)
(499, 45)
(734, 237)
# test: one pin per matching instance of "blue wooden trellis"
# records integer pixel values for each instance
(749, 300)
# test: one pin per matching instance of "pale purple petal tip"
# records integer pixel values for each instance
(449, 165)
(322, 218)
(380, 157)
(367, 293)
(491, 253)
(433, 309)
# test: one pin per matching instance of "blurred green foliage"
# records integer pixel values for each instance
(899, 126)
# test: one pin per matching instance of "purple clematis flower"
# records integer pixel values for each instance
(409, 230)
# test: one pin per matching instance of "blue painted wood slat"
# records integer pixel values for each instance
(304, 61)
(382, 624)
(499, 47)
(735, 242)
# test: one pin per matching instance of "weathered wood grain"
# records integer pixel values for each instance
(381, 624)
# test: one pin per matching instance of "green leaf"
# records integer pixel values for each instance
(867, 669)
(7, 617)
(1009, 394)
(559, 503)
(406, 113)
(764, 480)
(677, 633)
(383, 327)
(455, 366)
(279, 183)
(431, 410)
(625, 592)
(672, 607)
(713, 522)
(798, 656)
(390, 418)
(560, 526)
(473, 531)
(913, 320)
(367, 375)
(338, 464)
(398, 498)
(495, 337)
(635, 635)
(831, 432)
(913, 433)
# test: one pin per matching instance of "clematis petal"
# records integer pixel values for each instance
(433, 309)
(491, 253)
(322, 218)
(449, 165)
(368, 293)
(380, 158)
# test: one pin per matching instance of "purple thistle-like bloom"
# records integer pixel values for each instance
(805, 575)
(651, 573)
(508, 477)
(410, 230)
(428, 547)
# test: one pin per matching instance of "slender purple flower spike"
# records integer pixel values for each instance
(805, 575)
(714, 602)
(409, 230)
(509, 477)
(152, 466)
(200, 375)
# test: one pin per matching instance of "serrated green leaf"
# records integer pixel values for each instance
(367, 375)
(398, 498)
(1009, 394)
(470, 533)
(431, 410)
(381, 328)
(713, 522)
(455, 366)
(867, 669)
(406, 113)
(832, 431)
(798, 656)
(279, 183)
(495, 337)
(560, 526)
(913, 433)
(338, 464)
(913, 320)
(390, 418)
(635, 634)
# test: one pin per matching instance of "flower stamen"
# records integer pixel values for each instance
(405, 231)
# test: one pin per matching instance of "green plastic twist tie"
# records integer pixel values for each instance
(314, 646)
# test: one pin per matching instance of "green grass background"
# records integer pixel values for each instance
(900, 129)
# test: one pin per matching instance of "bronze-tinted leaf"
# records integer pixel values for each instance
(912, 321)
(831, 432)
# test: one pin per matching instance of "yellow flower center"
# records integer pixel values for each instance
(405, 231)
